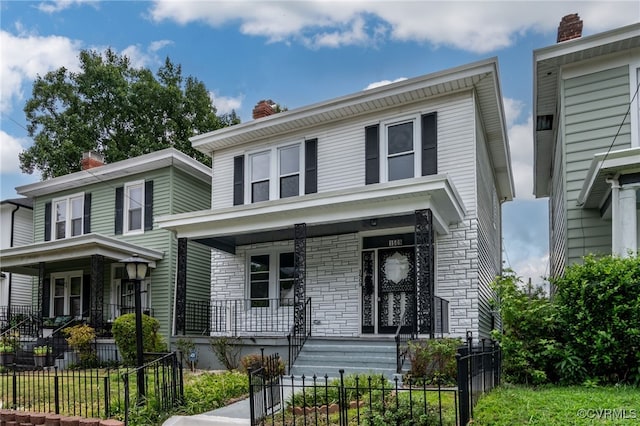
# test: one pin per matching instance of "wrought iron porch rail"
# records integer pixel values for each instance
(251, 317)
(299, 333)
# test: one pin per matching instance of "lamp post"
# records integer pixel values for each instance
(137, 270)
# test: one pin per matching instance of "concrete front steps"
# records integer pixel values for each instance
(359, 355)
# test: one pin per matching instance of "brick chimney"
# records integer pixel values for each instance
(91, 159)
(570, 27)
(263, 108)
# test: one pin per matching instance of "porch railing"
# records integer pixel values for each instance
(402, 346)
(441, 312)
(197, 317)
(250, 317)
(299, 333)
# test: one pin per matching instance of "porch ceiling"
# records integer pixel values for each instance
(336, 212)
(25, 259)
(595, 189)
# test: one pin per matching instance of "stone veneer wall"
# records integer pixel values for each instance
(457, 276)
(333, 279)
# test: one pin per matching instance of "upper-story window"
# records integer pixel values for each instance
(134, 204)
(134, 207)
(68, 217)
(400, 148)
(278, 172)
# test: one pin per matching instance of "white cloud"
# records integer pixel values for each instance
(53, 6)
(226, 104)
(24, 57)
(141, 57)
(456, 24)
(534, 268)
(383, 83)
(10, 147)
(521, 147)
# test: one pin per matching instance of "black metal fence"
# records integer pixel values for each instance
(479, 371)
(103, 393)
(350, 400)
(163, 387)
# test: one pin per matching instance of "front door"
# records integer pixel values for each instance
(388, 285)
(396, 289)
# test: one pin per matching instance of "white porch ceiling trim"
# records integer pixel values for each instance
(604, 165)
(74, 248)
(380, 200)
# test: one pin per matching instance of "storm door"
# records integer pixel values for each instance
(396, 289)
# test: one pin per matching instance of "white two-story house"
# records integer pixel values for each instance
(367, 214)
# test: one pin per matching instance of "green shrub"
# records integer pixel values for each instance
(124, 333)
(433, 360)
(227, 350)
(81, 338)
(208, 391)
(529, 327)
(598, 304)
(255, 361)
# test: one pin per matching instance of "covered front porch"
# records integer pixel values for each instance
(612, 186)
(345, 263)
(77, 279)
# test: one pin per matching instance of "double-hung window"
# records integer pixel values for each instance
(68, 216)
(271, 279)
(66, 294)
(274, 173)
(400, 150)
(134, 203)
(260, 173)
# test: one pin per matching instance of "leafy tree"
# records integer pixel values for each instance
(115, 109)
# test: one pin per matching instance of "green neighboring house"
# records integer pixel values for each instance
(85, 222)
(587, 142)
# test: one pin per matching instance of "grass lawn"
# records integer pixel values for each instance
(556, 405)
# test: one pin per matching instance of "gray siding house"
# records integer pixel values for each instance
(16, 220)
(365, 215)
(587, 143)
(86, 222)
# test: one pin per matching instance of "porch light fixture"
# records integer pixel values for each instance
(137, 270)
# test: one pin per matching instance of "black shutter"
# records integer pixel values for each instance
(372, 154)
(311, 166)
(238, 180)
(46, 295)
(86, 296)
(429, 144)
(148, 205)
(119, 210)
(87, 213)
(47, 221)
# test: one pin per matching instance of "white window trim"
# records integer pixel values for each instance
(274, 169)
(67, 277)
(127, 200)
(417, 145)
(67, 229)
(274, 280)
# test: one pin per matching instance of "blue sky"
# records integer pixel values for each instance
(302, 52)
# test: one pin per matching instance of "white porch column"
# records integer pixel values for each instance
(615, 216)
(628, 220)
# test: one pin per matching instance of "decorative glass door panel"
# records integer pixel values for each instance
(396, 289)
(368, 292)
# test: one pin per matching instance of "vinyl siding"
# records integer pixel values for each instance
(594, 107)
(174, 192)
(341, 149)
(557, 216)
(489, 233)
